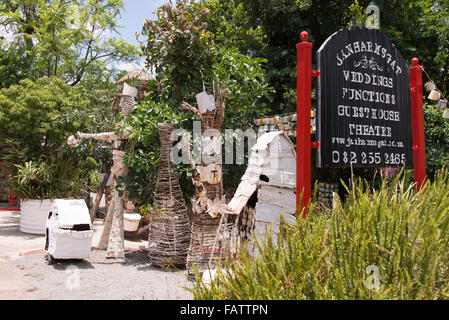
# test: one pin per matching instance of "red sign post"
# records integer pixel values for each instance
(419, 144)
(303, 136)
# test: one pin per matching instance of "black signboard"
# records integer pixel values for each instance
(364, 110)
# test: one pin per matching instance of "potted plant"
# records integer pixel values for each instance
(37, 116)
(38, 183)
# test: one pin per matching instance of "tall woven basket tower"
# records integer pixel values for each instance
(169, 232)
(213, 225)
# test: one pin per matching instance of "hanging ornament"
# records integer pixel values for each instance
(430, 86)
(442, 104)
(434, 95)
(446, 113)
(205, 101)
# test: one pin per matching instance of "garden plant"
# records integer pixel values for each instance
(390, 243)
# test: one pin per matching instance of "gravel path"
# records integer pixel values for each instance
(25, 275)
(98, 278)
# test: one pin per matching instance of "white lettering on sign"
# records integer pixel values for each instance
(364, 101)
(368, 113)
(368, 130)
(366, 78)
(369, 158)
(368, 96)
(368, 46)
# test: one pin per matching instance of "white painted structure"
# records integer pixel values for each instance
(69, 230)
(272, 174)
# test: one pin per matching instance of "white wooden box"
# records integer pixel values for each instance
(68, 231)
(66, 244)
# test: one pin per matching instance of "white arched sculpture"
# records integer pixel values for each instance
(267, 190)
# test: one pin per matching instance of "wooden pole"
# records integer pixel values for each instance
(104, 240)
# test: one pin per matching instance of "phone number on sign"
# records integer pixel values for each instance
(371, 158)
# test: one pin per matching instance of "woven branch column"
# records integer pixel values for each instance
(209, 226)
(169, 231)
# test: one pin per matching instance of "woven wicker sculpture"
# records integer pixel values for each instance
(213, 226)
(169, 230)
(112, 237)
(124, 104)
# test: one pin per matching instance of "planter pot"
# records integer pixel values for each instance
(131, 221)
(33, 215)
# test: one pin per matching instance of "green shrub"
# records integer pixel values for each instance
(403, 233)
(63, 178)
(38, 116)
(437, 139)
(144, 157)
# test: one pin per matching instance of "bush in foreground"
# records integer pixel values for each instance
(401, 233)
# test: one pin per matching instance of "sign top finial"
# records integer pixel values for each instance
(415, 61)
(304, 36)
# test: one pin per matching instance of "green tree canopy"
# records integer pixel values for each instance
(270, 29)
(178, 43)
(70, 39)
(37, 117)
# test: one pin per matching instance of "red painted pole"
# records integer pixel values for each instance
(419, 144)
(303, 134)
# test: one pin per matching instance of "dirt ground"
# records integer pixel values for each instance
(24, 273)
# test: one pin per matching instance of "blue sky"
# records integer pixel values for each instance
(136, 11)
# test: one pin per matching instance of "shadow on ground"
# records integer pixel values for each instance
(80, 264)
